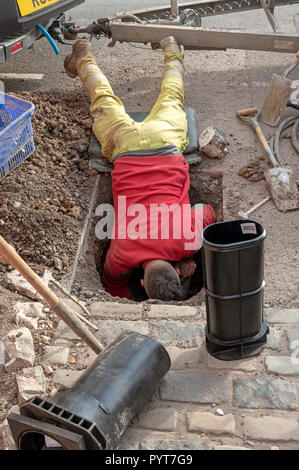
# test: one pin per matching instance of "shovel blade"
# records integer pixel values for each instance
(278, 95)
(283, 188)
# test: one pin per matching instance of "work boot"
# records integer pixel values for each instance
(81, 48)
(170, 44)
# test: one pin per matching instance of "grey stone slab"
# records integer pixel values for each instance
(160, 419)
(264, 393)
(283, 365)
(56, 355)
(275, 315)
(182, 335)
(293, 339)
(171, 311)
(271, 428)
(110, 329)
(194, 387)
(209, 423)
(115, 310)
(182, 359)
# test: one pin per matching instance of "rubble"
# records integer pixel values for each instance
(28, 313)
(15, 282)
(213, 142)
(19, 349)
(56, 355)
(5, 434)
(30, 382)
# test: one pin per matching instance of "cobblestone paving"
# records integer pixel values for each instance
(204, 403)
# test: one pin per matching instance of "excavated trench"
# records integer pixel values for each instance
(205, 187)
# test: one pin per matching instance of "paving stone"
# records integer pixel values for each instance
(14, 281)
(210, 423)
(128, 441)
(274, 315)
(194, 387)
(110, 329)
(179, 444)
(5, 433)
(171, 311)
(65, 332)
(160, 419)
(182, 359)
(57, 355)
(283, 365)
(293, 339)
(182, 335)
(116, 310)
(264, 393)
(19, 349)
(63, 378)
(31, 381)
(269, 428)
(248, 365)
(274, 339)
(224, 447)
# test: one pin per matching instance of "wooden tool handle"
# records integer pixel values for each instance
(247, 111)
(62, 310)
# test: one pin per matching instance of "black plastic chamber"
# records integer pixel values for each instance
(233, 264)
(96, 410)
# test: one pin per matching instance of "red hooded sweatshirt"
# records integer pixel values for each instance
(140, 184)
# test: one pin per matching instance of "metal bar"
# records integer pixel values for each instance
(271, 17)
(212, 7)
(174, 8)
(208, 39)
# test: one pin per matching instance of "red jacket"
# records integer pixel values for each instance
(150, 181)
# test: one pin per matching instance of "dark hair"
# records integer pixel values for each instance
(163, 283)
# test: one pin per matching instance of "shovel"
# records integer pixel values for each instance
(280, 181)
(278, 96)
(8, 253)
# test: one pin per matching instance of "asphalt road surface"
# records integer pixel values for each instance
(43, 60)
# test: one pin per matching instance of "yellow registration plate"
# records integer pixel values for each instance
(27, 7)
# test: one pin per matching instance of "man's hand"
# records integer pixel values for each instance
(185, 267)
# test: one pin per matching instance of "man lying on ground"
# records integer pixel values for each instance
(150, 174)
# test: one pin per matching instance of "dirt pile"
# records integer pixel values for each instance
(44, 200)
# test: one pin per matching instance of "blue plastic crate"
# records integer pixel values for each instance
(16, 133)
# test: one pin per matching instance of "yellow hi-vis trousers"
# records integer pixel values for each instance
(113, 127)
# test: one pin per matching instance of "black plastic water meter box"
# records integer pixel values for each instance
(233, 265)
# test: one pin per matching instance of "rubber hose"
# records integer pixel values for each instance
(275, 139)
(49, 37)
(294, 136)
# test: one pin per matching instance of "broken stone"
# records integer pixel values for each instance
(64, 378)
(56, 355)
(30, 382)
(58, 263)
(19, 349)
(15, 282)
(213, 142)
(5, 433)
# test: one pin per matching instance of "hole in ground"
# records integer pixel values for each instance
(205, 187)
